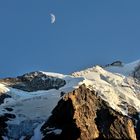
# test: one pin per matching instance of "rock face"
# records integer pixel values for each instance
(136, 73)
(34, 81)
(116, 63)
(81, 115)
(3, 125)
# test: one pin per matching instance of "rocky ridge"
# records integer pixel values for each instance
(81, 115)
(34, 81)
(96, 103)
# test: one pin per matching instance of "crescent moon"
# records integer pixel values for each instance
(52, 18)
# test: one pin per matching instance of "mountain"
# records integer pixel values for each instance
(130, 69)
(102, 102)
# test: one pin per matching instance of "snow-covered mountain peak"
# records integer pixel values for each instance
(116, 89)
(30, 98)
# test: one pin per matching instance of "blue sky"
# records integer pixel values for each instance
(86, 32)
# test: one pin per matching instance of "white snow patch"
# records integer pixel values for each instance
(22, 138)
(5, 138)
(37, 133)
(57, 131)
(54, 130)
(3, 88)
(57, 75)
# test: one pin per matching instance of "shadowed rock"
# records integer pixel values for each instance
(34, 81)
(3, 96)
(3, 125)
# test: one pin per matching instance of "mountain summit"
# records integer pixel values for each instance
(95, 103)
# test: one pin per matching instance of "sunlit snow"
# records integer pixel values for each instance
(113, 84)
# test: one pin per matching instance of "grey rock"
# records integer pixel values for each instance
(136, 73)
(34, 81)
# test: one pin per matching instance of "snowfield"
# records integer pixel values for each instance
(31, 109)
(126, 69)
(113, 84)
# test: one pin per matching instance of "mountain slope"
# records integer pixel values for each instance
(118, 90)
(82, 115)
(32, 108)
(40, 105)
(124, 69)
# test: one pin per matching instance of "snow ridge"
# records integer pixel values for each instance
(116, 89)
(114, 84)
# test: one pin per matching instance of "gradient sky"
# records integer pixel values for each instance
(86, 32)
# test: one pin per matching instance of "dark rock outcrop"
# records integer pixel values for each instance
(136, 73)
(81, 115)
(3, 96)
(5, 117)
(3, 125)
(116, 63)
(34, 81)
